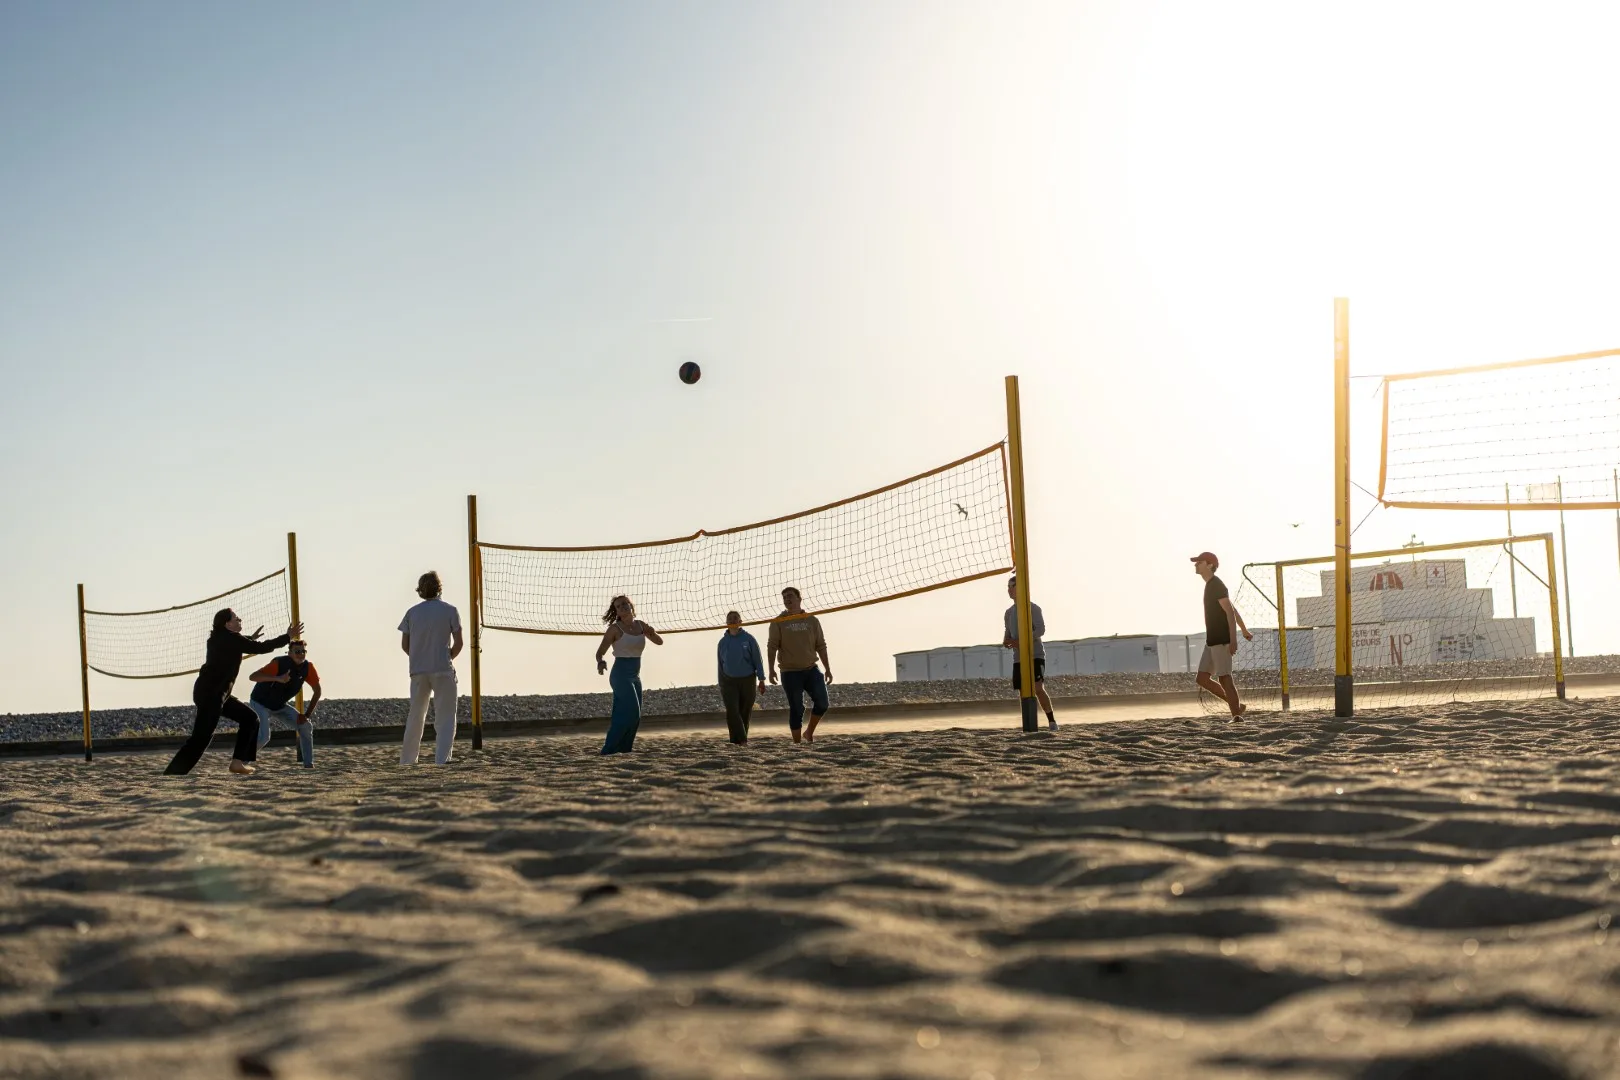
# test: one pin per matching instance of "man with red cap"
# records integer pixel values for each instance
(1221, 624)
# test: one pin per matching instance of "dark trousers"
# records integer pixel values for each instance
(795, 684)
(211, 706)
(737, 691)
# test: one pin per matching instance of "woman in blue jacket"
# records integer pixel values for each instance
(740, 669)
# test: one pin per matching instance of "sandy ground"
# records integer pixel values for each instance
(1401, 896)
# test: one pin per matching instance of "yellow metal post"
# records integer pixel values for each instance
(1563, 541)
(1282, 637)
(1513, 564)
(1026, 630)
(1343, 680)
(84, 674)
(292, 594)
(476, 618)
(292, 600)
(1552, 591)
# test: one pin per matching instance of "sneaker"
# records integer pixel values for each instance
(1051, 724)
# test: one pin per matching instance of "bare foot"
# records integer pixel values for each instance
(241, 768)
(796, 736)
(810, 728)
(1241, 709)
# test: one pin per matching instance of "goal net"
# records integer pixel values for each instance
(1525, 435)
(172, 641)
(942, 527)
(1429, 624)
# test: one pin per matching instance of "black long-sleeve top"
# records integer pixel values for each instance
(225, 651)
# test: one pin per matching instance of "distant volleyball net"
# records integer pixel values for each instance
(170, 642)
(1532, 434)
(939, 528)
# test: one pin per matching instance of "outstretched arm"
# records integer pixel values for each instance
(249, 646)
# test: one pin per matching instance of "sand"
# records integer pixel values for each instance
(1396, 896)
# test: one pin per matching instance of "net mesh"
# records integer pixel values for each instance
(161, 644)
(1427, 627)
(1504, 435)
(939, 528)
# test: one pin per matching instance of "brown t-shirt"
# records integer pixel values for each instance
(795, 639)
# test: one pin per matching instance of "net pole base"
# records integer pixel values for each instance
(1561, 690)
(1344, 695)
(1029, 706)
(1285, 703)
(478, 736)
(1560, 694)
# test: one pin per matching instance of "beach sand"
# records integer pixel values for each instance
(1290, 896)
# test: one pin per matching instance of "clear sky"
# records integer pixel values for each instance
(332, 267)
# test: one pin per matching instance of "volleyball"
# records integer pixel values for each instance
(690, 373)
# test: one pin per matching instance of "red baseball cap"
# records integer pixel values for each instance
(1207, 556)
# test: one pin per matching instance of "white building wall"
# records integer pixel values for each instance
(911, 667)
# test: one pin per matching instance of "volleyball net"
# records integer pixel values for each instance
(1531, 434)
(939, 528)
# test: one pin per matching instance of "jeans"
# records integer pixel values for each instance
(306, 731)
(737, 691)
(442, 685)
(211, 706)
(625, 678)
(795, 684)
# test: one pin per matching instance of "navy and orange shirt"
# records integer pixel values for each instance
(273, 695)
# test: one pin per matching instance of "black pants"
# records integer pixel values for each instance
(738, 693)
(211, 706)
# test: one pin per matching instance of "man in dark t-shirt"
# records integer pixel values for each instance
(1221, 624)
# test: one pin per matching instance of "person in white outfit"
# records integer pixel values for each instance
(430, 634)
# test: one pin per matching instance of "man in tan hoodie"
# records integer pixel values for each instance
(796, 636)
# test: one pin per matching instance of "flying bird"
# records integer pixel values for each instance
(960, 509)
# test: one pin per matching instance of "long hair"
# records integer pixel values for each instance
(428, 585)
(612, 615)
(221, 617)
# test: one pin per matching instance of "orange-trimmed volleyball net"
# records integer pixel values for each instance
(170, 642)
(1525, 435)
(939, 528)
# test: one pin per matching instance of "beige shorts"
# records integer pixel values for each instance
(1217, 660)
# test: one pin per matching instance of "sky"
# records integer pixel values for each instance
(331, 268)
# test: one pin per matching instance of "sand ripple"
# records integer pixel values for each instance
(1394, 896)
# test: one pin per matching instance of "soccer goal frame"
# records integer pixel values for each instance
(290, 572)
(1544, 540)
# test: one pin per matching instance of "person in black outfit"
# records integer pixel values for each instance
(1222, 622)
(212, 694)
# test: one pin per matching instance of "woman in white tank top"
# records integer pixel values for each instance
(627, 636)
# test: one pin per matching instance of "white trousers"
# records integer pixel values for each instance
(442, 685)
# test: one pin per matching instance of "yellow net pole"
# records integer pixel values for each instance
(1343, 681)
(1552, 597)
(84, 674)
(292, 595)
(1513, 564)
(1026, 630)
(1563, 541)
(476, 618)
(1282, 637)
